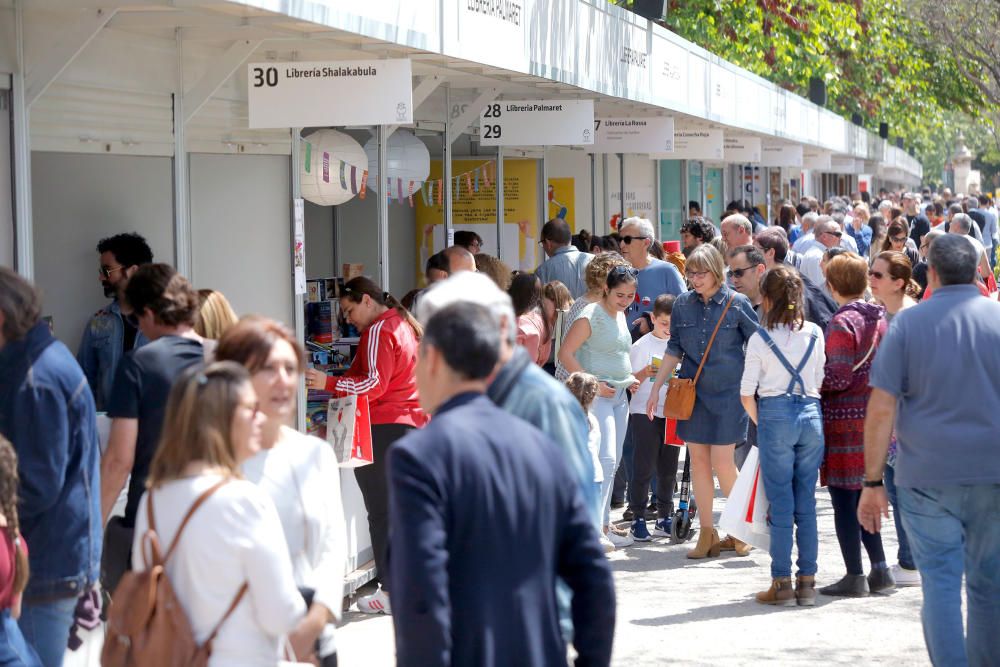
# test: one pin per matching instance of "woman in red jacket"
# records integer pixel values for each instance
(382, 370)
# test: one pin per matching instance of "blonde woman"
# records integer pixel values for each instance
(233, 548)
(719, 420)
(215, 315)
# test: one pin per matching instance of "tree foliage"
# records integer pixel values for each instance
(878, 59)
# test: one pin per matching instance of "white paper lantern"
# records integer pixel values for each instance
(409, 160)
(337, 148)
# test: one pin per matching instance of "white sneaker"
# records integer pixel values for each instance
(620, 540)
(376, 603)
(905, 577)
(606, 543)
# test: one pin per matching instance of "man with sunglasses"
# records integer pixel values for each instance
(828, 235)
(109, 334)
(656, 276)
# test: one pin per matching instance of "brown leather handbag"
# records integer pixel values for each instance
(679, 403)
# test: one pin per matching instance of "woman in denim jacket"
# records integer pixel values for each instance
(784, 366)
(718, 421)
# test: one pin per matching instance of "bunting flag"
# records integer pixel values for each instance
(423, 193)
(354, 182)
(440, 191)
(411, 194)
(308, 164)
(364, 184)
(468, 181)
(486, 174)
(343, 174)
(326, 167)
(477, 178)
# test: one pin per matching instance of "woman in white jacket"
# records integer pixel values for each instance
(234, 538)
(300, 475)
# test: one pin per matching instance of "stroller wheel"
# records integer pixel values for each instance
(680, 528)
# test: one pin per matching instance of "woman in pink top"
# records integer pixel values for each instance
(533, 332)
(13, 566)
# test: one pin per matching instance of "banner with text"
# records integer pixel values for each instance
(633, 135)
(537, 123)
(781, 155)
(694, 145)
(309, 94)
(742, 149)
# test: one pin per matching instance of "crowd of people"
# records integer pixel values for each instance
(511, 412)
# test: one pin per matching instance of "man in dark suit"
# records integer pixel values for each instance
(485, 513)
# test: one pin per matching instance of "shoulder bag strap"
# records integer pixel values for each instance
(187, 517)
(711, 340)
(868, 353)
(229, 612)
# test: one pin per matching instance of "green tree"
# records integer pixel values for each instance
(877, 58)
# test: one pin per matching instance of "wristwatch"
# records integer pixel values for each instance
(872, 483)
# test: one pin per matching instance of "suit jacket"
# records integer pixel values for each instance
(485, 514)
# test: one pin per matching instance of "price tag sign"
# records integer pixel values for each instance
(349, 92)
(633, 135)
(537, 123)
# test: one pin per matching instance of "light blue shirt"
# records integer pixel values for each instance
(657, 278)
(567, 266)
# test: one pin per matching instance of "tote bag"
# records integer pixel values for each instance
(349, 431)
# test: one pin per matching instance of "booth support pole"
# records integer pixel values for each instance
(298, 300)
(23, 232)
(500, 202)
(605, 182)
(449, 231)
(182, 200)
(621, 183)
(657, 206)
(593, 194)
(383, 207)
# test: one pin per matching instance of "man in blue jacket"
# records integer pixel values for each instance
(485, 514)
(47, 412)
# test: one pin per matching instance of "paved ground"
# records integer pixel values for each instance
(673, 610)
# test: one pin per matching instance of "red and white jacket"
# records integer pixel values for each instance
(384, 370)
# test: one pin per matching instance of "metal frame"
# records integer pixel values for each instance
(24, 255)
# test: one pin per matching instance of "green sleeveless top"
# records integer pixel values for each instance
(606, 353)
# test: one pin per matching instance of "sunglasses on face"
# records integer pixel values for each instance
(877, 275)
(837, 234)
(628, 239)
(738, 273)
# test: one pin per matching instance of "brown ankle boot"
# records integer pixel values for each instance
(708, 545)
(805, 590)
(780, 593)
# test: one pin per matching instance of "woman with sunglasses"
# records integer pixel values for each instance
(383, 370)
(893, 286)
(598, 342)
(718, 421)
(300, 475)
(232, 552)
(896, 240)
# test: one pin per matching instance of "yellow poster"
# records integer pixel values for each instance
(561, 200)
(474, 207)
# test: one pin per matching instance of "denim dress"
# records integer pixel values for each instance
(718, 417)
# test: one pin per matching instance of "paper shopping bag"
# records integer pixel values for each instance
(745, 515)
(348, 429)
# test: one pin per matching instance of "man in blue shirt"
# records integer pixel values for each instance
(108, 335)
(656, 277)
(565, 262)
(947, 469)
(483, 505)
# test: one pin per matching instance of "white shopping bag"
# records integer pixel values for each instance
(745, 516)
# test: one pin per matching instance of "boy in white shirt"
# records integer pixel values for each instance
(650, 454)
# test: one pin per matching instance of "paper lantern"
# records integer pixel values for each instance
(327, 154)
(409, 160)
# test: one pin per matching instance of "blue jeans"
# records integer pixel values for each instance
(955, 529)
(14, 651)
(790, 446)
(46, 627)
(903, 555)
(612, 415)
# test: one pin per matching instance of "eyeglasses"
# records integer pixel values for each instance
(628, 239)
(695, 274)
(738, 273)
(106, 271)
(254, 408)
(898, 239)
(923, 246)
(877, 275)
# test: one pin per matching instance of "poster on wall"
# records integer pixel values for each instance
(475, 211)
(638, 202)
(561, 199)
